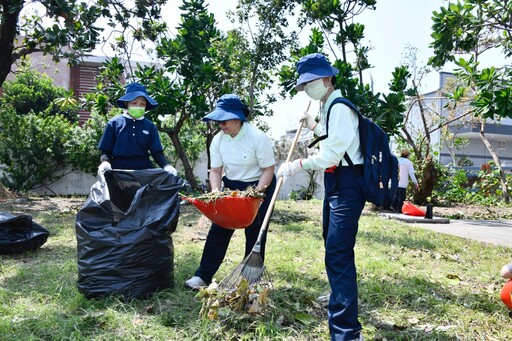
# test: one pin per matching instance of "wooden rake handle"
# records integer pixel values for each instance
(280, 181)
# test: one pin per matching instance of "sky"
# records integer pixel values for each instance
(394, 25)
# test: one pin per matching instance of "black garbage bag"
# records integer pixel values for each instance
(123, 232)
(19, 234)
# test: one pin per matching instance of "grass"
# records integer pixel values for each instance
(414, 284)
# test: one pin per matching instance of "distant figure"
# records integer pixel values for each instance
(406, 171)
(506, 271)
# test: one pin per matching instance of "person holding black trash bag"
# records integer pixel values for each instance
(129, 138)
(241, 156)
(343, 202)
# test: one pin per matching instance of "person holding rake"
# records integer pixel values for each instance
(343, 202)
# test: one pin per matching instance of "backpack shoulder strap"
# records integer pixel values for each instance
(337, 100)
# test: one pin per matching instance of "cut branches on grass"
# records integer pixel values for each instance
(245, 299)
(414, 284)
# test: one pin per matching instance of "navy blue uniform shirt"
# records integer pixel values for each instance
(128, 143)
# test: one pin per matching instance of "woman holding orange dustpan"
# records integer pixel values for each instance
(241, 156)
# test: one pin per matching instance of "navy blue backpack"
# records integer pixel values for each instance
(380, 165)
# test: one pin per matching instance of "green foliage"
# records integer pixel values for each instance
(32, 147)
(465, 161)
(302, 194)
(487, 189)
(332, 19)
(72, 29)
(456, 186)
(34, 92)
(453, 31)
(475, 27)
(453, 187)
(82, 146)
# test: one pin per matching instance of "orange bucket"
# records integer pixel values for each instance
(410, 209)
(231, 212)
(506, 294)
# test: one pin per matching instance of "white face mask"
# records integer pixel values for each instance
(316, 90)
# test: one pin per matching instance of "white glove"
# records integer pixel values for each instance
(215, 191)
(308, 120)
(104, 166)
(290, 168)
(171, 170)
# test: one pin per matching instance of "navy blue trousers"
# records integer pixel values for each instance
(343, 204)
(400, 196)
(218, 239)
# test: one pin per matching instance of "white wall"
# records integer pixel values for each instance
(73, 183)
(79, 183)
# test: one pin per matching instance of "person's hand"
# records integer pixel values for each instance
(289, 168)
(261, 189)
(171, 170)
(215, 190)
(417, 186)
(308, 120)
(104, 166)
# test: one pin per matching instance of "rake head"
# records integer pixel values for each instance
(251, 269)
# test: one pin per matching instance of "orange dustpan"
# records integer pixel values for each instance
(231, 212)
(410, 209)
(506, 294)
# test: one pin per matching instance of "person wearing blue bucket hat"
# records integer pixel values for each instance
(130, 138)
(241, 156)
(343, 184)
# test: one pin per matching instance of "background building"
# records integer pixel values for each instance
(473, 152)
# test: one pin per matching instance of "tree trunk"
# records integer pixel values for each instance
(496, 159)
(8, 29)
(210, 133)
(189, 171)
(452, 153)
(429, 175)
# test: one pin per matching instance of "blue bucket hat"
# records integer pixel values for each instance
(229, 107)
(311, 67)
(134, 90)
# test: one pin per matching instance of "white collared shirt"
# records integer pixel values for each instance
(406, 171)
(343, 137)
(244, 155)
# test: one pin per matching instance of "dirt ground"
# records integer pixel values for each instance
(25, 205)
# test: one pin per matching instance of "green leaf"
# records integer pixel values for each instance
(304, 318)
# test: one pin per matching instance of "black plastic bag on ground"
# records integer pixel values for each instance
(123, 232)
(19, 234)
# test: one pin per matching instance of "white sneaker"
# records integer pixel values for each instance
(195, 283)
(324, 299)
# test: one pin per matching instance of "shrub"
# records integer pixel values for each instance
(32, 147)
(487, 189)
(82, 146)
(482, 189)
(33, 92)
(453, 187)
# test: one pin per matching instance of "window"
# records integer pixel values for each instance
(83, 81)
(502, 145)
